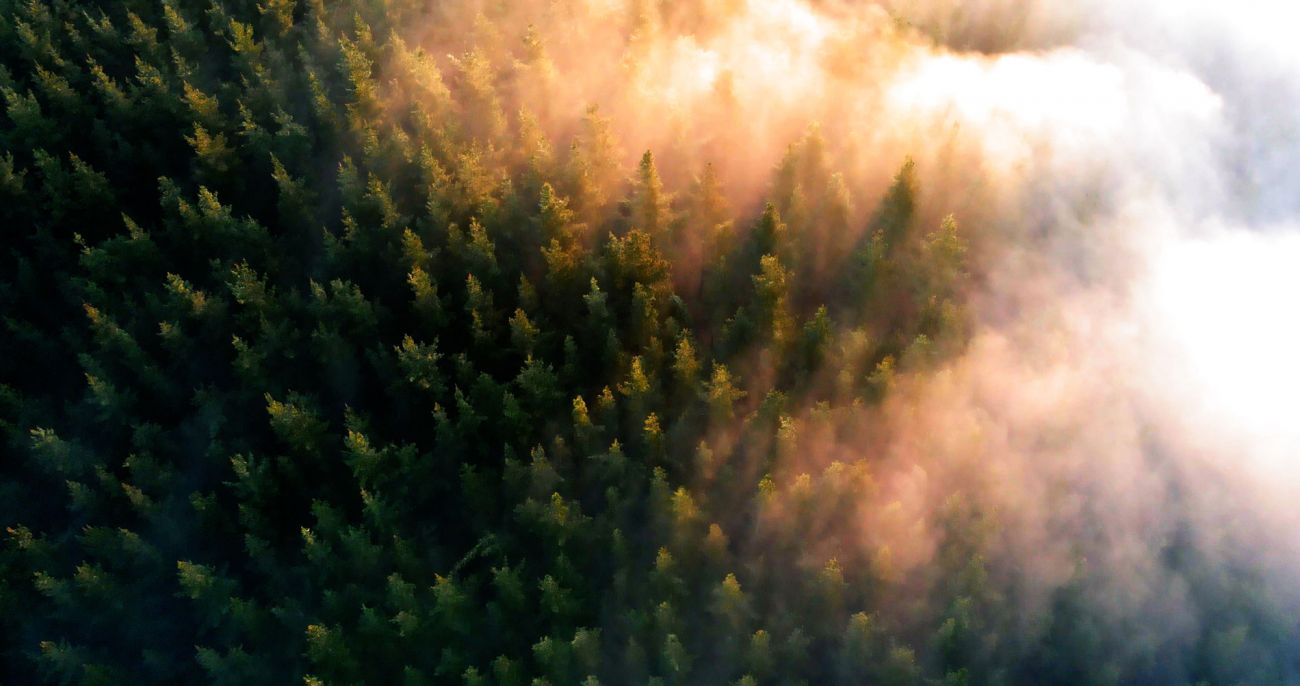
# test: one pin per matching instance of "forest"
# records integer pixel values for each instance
(343, 343)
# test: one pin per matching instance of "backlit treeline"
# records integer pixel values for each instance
(376, 342)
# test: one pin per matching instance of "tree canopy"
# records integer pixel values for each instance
(320, 364)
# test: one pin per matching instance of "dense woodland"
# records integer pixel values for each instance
(322, 362)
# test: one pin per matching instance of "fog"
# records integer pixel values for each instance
(1127, 176)
(1134, 374)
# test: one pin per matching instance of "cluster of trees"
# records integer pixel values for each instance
(319, 365)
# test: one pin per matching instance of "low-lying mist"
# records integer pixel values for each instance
(1127, 179)
(910, 342)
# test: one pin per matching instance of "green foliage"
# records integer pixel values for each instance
(324, 361)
